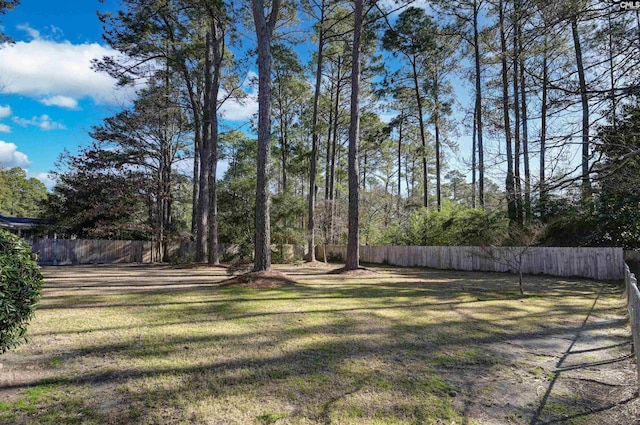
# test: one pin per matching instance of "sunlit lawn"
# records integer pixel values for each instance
(159, 345)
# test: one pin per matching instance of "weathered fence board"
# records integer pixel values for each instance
(97, 251)
(596, 263)
(633, 307)
(82, 251)
(90, 251)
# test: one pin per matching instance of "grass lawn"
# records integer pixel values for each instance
(163, 345)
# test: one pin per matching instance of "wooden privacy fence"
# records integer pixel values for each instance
(595, 263)
(95, 251)
(86, 251)
(633, 306)
(99, 251)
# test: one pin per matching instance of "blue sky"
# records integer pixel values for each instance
(50, 97)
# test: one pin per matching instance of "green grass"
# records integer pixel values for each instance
(165, 346)
(49, 404)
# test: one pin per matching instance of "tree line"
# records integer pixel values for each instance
(365, 110)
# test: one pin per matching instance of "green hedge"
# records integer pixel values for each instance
(20, 285)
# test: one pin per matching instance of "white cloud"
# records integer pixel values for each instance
(392, 5)
(47, 69)
(56, 30)
(5, 111)
(61, 101)
(10, 156)
(250, 82)
(240, 110)
(47, 179)
(44, 122)
(244, 109)
(33, 33)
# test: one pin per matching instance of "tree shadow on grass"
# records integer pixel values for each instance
(321, 353)
(288, 377)
(547, 411)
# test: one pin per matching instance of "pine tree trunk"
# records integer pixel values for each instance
(334, 147)
(400, 165)
(205, 158)
(203, 198)
(478, 109)
(195, 184)
(314, 140)
(474, 165)
(217, 48)
(509, 183)
(516, 129)
(353, 248)
(612, 77)
(327, 165)
(436, 114)
(423, 138)
(198, 140)
(525, 127)
(264, 31)
(543, 129)
(284, 143)
(586, 183)
(438, 171)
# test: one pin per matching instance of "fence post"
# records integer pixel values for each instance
(635, 329)
(633, 307)
(627, 283)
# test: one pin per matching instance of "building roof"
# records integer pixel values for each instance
(22, 222)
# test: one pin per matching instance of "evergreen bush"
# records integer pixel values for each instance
(20, 285)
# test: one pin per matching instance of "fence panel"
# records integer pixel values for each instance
(633, 307)
(85, 251)
(595, 263)
(89, 251)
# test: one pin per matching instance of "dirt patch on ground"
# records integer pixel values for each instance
(315, 264)
(360, 271)
(265, 279)
(582, 376)
(201, 266)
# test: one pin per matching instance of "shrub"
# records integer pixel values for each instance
(454, 225)
(20, 285)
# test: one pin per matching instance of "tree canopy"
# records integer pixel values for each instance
(368, 112)
(20, 196)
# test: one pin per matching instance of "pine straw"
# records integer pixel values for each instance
(360, 271)
(198, 266)
(315, 264)
(263, 279)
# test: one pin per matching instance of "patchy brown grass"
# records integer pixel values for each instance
(155, 344)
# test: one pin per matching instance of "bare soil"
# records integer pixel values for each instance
(360, 271)
(585, 375)
(315, 263)
(265, 279)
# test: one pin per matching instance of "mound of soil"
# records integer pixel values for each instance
(264, 279)
(198, 266)
(360, 271)
(315, 264)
